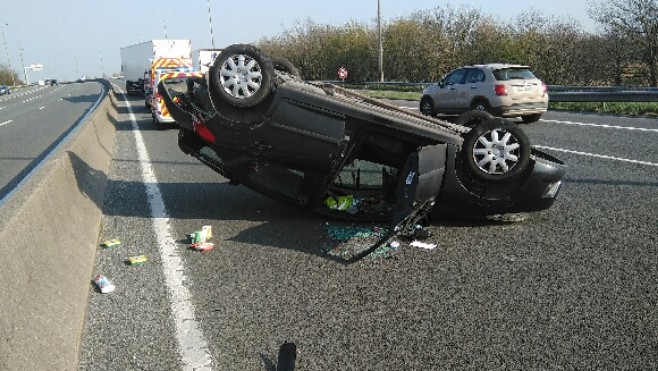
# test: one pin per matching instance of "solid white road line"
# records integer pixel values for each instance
(192, 345)
(600, 125)
(598, 156)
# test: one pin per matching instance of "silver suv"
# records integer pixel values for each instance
(505, 90)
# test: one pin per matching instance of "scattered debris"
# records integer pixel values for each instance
(204, 246)
(110, 244)
(422, 245)
(354, 240)
(199, 239)
(104, 284)
(137, 260)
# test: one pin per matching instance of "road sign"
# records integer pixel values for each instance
(35, 67)
(342, 73)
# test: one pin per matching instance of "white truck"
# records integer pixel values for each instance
(138, 59)
(203, 58)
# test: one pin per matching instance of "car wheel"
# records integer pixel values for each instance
(427, 107)
(480, 105)
(241, 76)
(528, 119)
(496, 150)
(473, 118)
(286, 66)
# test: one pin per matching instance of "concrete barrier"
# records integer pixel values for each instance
(48, 240)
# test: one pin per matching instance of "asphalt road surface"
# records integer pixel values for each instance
(33, 121)
(573, 287)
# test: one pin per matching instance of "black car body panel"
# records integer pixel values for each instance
(345, 155)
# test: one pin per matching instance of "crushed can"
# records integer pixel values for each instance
(104, 284)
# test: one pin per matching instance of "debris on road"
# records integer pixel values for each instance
(423, 245)
(110, 244)
(204, 246)
(137, 260)
(104, 284)
(351, 240)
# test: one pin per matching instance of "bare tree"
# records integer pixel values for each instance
(637, 22)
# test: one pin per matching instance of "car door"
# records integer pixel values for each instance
(446, 97)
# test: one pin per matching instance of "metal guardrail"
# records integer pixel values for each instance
(561, 93)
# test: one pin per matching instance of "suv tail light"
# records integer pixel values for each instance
(544, 88)
(500, 90)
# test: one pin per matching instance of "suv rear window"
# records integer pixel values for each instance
(513, 74)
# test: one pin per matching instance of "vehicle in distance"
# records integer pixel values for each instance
(505, 90)
(345, 155)
(4, 90)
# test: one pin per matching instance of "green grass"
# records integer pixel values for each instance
(616, 108)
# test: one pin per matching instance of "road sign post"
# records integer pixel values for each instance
(342, 73)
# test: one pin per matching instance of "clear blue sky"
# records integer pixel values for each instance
(72, 38)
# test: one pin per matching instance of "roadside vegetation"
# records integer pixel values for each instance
(424, 46)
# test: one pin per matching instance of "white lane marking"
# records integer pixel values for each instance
(42, 107)
(601, 125)
(192, 345)
(5, 123)
(598, 156)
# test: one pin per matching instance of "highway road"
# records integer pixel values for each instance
(573, 287)
(33, 121)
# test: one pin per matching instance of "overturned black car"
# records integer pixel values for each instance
(339, 153)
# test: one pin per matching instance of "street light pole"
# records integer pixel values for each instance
(4, 39)
(212, 37)
(22, 62)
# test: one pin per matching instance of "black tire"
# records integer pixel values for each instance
(473, 118)
(491, 155)
(529, 119)
(241, 76)
(481, 105)
(427, 107)
(286, 66)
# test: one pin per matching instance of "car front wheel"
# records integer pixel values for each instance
(496, 150)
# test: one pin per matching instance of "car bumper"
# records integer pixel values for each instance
(535, 190)
(520, 109)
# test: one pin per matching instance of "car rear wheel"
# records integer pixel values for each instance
(496, 150)
(427, 107)
(241, 76)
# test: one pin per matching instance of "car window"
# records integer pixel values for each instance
(456, 77)
(505, 74)
(475, 75)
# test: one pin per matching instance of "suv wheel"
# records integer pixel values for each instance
(528, 119)
(496, 150)
(427, 107)
(241, 76)
(480, 105)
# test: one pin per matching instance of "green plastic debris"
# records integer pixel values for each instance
(345, 233)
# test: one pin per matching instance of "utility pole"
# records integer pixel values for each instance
(212, 37)
(4, 39)
(164, 24)
(22, 62)
(381, 48)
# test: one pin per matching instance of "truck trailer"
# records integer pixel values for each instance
(137, 60)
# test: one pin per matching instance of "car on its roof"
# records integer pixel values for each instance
(505, 90)
(341, 154)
